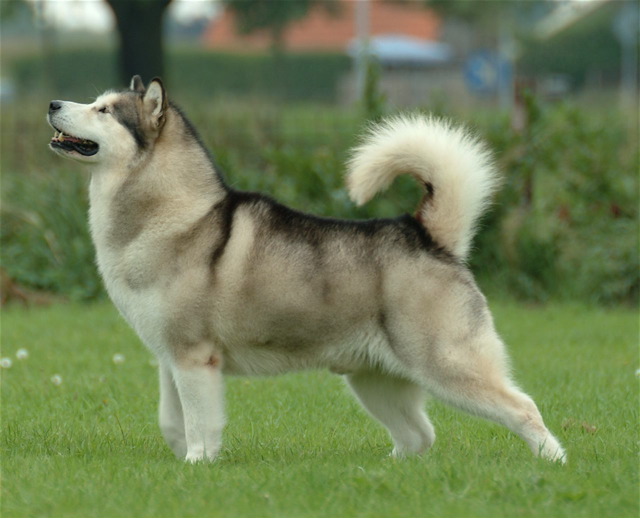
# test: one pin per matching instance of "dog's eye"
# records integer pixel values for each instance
(104, 110)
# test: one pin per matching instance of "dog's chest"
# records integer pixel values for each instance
(142, 307)
(129, 276)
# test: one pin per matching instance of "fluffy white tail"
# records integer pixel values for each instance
(455, 168)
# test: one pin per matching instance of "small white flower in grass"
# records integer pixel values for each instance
(5, 362)
(638, 372)
(118, 358)
(22, 354)
(56, 380)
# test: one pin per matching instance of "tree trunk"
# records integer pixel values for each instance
(140, 33)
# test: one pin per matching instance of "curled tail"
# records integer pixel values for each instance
(455, 168)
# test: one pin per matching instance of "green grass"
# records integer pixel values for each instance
(299, 445)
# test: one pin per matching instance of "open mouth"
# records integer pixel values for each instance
(70, 143)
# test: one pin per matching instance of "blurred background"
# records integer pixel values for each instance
(280, 89)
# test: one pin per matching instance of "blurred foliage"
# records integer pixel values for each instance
(44, 234)
(303, 76)
(11, 8)
(587, 50)
(193, 72)
(374, 100)
(488, 12)
(566, 221)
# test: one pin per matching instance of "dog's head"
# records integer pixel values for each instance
(118, 126)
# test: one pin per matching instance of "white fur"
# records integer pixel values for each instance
(399, 405)
(457, 165)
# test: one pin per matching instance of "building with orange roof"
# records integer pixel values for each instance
(328, 30)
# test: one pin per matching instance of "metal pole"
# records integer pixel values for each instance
(362, 35)
(506, 51)
(625, 26)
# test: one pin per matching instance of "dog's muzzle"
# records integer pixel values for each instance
(67, 142)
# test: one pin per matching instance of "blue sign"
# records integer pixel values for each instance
(485, 72)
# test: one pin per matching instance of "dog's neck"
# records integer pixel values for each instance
(169, 187)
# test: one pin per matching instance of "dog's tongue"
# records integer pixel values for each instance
(83, 146)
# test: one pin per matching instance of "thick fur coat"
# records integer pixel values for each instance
(218, 281)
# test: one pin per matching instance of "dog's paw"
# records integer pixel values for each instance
(199, 455)
(404, 452)
(552, 450)
(557, 456)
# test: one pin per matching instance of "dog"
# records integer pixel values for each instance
(218, 281)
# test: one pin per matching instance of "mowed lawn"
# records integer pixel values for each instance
(299, 445)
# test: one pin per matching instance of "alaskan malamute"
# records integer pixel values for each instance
(217, 281)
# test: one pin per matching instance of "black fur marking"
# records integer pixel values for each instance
(429, 188)
(420, 237)
(382, 323)
(404, 231)
(313, 231)
(226, 210)
(128, 116)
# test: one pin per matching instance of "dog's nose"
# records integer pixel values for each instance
(54, 106)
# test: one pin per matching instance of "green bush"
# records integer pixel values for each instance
(44, 234)
(308, 76)
(589, 47)
(567, 218)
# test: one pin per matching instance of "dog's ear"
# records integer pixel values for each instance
(136, 84)
(155, 103)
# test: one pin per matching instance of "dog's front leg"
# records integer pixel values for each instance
(170, 413)
(198, 379)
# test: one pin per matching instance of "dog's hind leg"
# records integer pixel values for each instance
(198, 378)
(399, 405)
(170, 413)
(472, 377)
